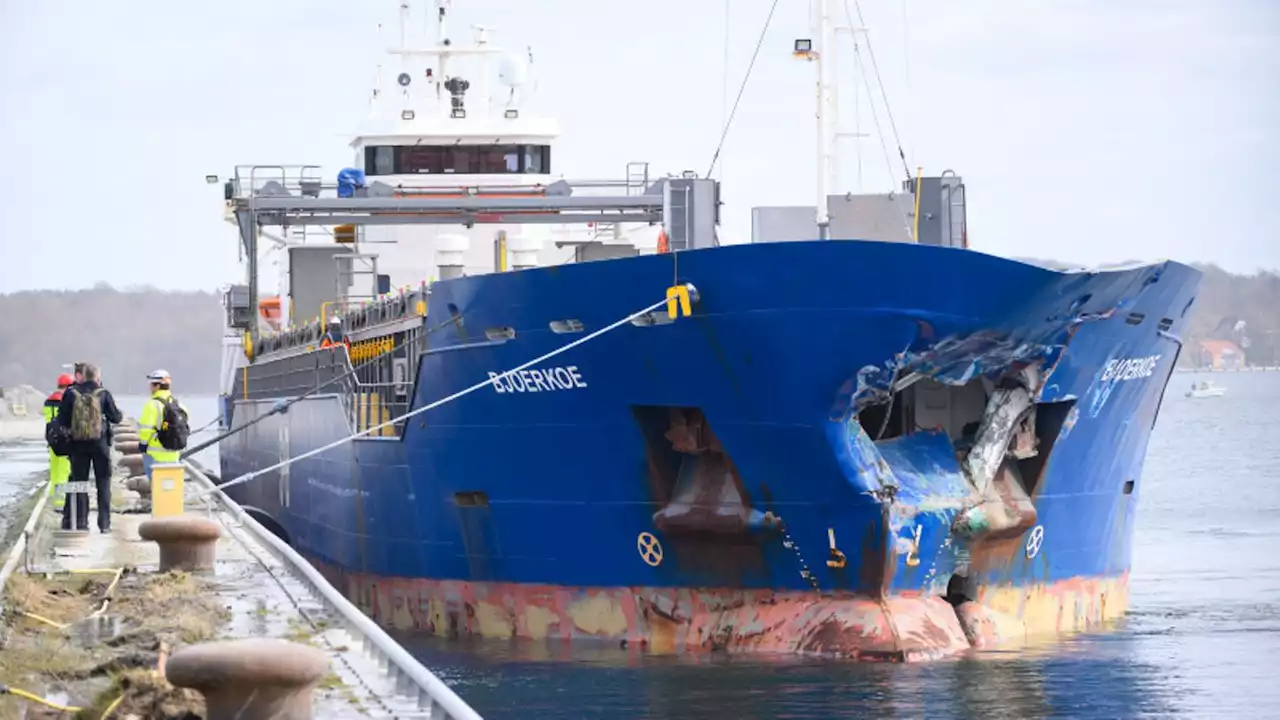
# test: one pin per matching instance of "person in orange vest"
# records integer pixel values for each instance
(664, 245)
(333, 335)
(59, 467)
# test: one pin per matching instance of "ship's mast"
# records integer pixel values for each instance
(442, 42)
(824, 62)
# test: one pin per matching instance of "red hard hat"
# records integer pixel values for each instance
(65, 380)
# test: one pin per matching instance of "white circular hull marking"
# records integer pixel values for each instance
(1034, 541)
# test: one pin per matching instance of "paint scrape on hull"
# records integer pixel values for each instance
(667, 621)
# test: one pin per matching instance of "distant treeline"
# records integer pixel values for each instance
(127, 333)
(131, 332)
(1226, 300)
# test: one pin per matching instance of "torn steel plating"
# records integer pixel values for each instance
(952, 361)
(1006, 434)
(1004, 419)
(959, 356)
(1010, 369)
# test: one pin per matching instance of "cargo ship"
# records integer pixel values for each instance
(540, 408)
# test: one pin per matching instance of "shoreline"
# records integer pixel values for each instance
(15, 510)
(19, 430)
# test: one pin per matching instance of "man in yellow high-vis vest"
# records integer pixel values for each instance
(152, 420)
(59, 467)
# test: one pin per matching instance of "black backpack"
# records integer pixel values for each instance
(58, 438)
(173, 429)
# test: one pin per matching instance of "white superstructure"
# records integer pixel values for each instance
(450, 112)
(448, 118)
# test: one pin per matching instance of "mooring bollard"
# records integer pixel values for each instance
(139, 484)
(186, 542)
(132, 463)
(253, 679)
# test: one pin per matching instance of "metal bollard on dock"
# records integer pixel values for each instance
(186, 542)
(252, 679)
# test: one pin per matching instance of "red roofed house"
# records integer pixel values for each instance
(1219, 355)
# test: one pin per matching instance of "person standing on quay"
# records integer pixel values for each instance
(162, 427)
(87, 410)
(59, 467)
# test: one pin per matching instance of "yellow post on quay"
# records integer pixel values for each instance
(166, 489)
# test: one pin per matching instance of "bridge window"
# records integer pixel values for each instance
(460, 160)
(382, 160)
(498, 160)
(457, 160)
(414, 160)
(537, 159)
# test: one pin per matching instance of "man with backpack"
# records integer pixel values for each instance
(86, 411)
(162, 427)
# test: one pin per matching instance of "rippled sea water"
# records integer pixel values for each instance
(1202, 639)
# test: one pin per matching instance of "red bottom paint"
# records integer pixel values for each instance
(669, 620)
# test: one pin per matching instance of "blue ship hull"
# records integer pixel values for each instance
(750, 477)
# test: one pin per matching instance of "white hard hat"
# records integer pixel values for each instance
(158, 376)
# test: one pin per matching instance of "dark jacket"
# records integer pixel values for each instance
(110, 413)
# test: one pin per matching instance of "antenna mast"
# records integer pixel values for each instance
(442, 42)
(404, 42)
(824, 60)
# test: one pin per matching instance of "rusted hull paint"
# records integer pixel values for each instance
(668, 620)
(1008, 617)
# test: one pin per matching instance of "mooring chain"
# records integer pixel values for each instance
(805, 572)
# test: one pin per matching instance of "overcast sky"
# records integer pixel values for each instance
(1086, 130)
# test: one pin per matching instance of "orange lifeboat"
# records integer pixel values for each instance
(269, 310)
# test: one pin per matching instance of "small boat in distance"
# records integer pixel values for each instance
(1205, 389)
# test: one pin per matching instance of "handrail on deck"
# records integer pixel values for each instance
(248, 181)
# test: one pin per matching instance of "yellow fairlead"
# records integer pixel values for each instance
(678, 294)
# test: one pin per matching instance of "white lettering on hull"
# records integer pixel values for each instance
(545, 380)
(335, 490)
(1120, 369)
